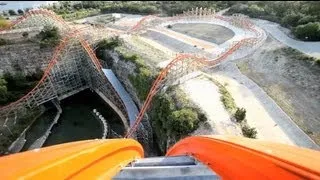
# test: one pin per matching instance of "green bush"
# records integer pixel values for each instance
(107, 44)
(130, 7)
(12, 12)
(182, 122)
(249, 132)
(306, 20)
(20, 11)
(3, 42)
(49, 37)
(240, 115)
(110, 43)
(142, 81)
(255, 11)
(134, 59)
(310, 31)
(227, 99)
(15, 85)
(291, 20)
(170, 122)
(36, 76)
(288, 14)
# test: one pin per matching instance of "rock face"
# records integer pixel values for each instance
(122, 69)
(25, 57)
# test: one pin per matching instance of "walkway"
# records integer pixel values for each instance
(310, 48)
(131, 108)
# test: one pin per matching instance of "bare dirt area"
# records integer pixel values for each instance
(205, 94)
(294, 84)
(208, 32)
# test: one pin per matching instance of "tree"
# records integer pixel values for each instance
(306, 20)
(291, 20)
(12, 12)
(240, 114)
(255, 10)
(20, 11)
(310, 31)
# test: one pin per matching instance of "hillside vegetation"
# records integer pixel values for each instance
(302, 17)
(74, 10)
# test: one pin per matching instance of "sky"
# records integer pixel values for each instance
(15, 5)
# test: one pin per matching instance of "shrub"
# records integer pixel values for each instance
(142, 81)
(36, 76)
(109, 43)
(49, 37)
(25, 34)
(240, 114)
(306, 20)
(182, 122)
(20, 11)
(169, 26)
(2, 42)
(310, 31)
(227, 99)
(249, 132)
(291, 20)
(12, 12)
(255, 10)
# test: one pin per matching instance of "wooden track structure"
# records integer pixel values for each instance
(72, 68)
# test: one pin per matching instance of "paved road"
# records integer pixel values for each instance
(310, 48)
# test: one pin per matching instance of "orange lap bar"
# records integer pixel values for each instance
(244, 158)
(90, 159)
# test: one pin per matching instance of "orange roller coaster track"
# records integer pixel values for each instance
(164, 72)
(162, 75)
(43, 12)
